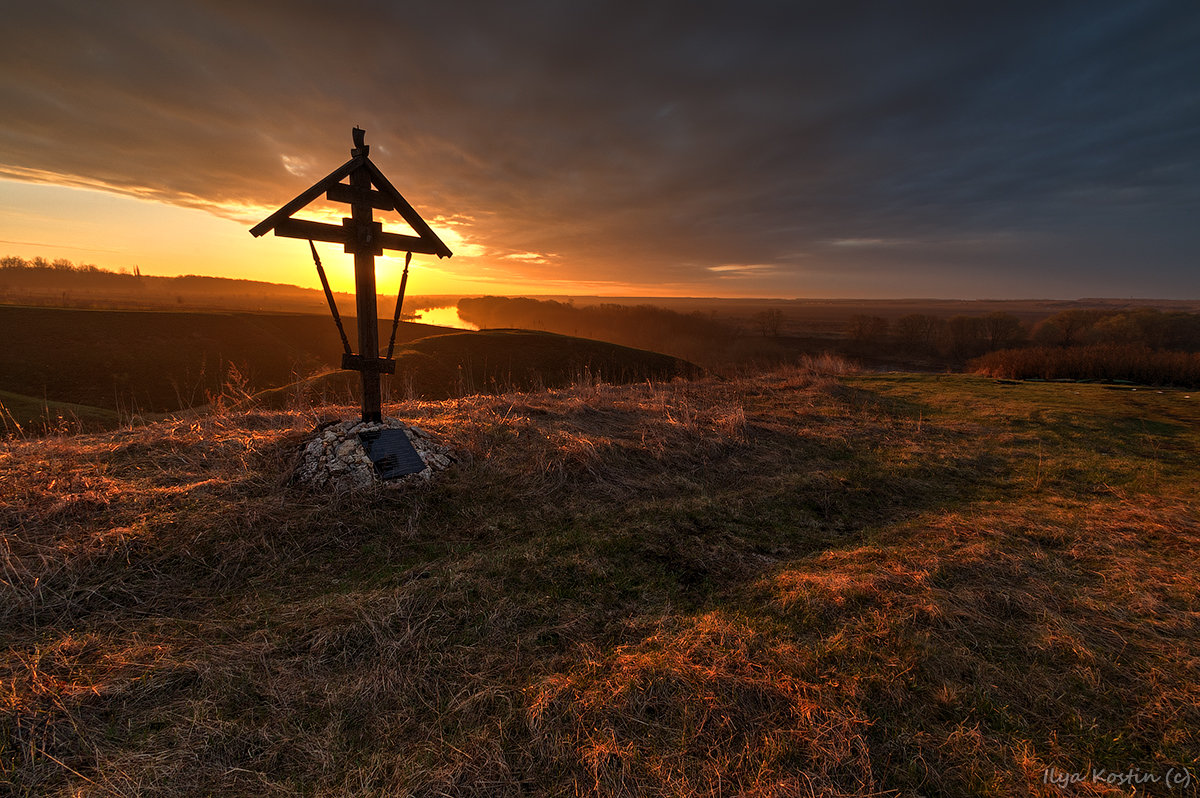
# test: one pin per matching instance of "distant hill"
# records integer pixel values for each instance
(491, 361)
(460, 363)
(148, 361)
(128, 362)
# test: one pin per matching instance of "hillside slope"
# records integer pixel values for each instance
(778, 586)
(152, 361)
(148, 362)
(458, 364)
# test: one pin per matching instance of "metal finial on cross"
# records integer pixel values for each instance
(361, 235)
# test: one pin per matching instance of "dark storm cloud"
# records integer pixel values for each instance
(653, 141)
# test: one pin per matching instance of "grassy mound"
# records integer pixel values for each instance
(144, 362)
(780, 585)
(494, 361)
(489, 361)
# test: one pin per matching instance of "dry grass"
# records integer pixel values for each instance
(703, 706)
(1136, 363)
(779, 585)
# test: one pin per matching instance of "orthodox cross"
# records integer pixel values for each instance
(366, 190)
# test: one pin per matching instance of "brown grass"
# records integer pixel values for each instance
(1134, 363)
(703, 706)
(776, 585)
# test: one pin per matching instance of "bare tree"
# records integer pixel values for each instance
(1067, 327)
(769, 322)
(966, 337)
(865, 330)
(1002, 330)
(919, 332)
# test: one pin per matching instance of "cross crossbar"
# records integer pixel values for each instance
(340, 234)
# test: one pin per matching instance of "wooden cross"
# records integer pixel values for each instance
(361, 235)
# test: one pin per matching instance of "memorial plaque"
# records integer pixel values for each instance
(391, 452)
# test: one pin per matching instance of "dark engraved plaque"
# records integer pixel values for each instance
(391, 452)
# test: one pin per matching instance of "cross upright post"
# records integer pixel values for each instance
(362, 218)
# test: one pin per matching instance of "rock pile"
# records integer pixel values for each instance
(335, 458)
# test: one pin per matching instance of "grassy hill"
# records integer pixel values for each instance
(774, 586)
(458, 364)
(149, 362)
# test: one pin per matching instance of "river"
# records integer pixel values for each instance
(443, 317)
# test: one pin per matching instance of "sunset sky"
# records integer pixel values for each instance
(886, 149)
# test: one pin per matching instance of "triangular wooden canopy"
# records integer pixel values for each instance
(382, 196)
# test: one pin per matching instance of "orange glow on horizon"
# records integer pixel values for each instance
(121, 230)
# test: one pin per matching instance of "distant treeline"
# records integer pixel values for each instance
(693, 336)
(957, 337)
(964, 337)
(1141, 345)
(39, 272)
(61, 283)
(1128, 362)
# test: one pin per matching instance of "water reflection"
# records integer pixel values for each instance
(444, 317)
